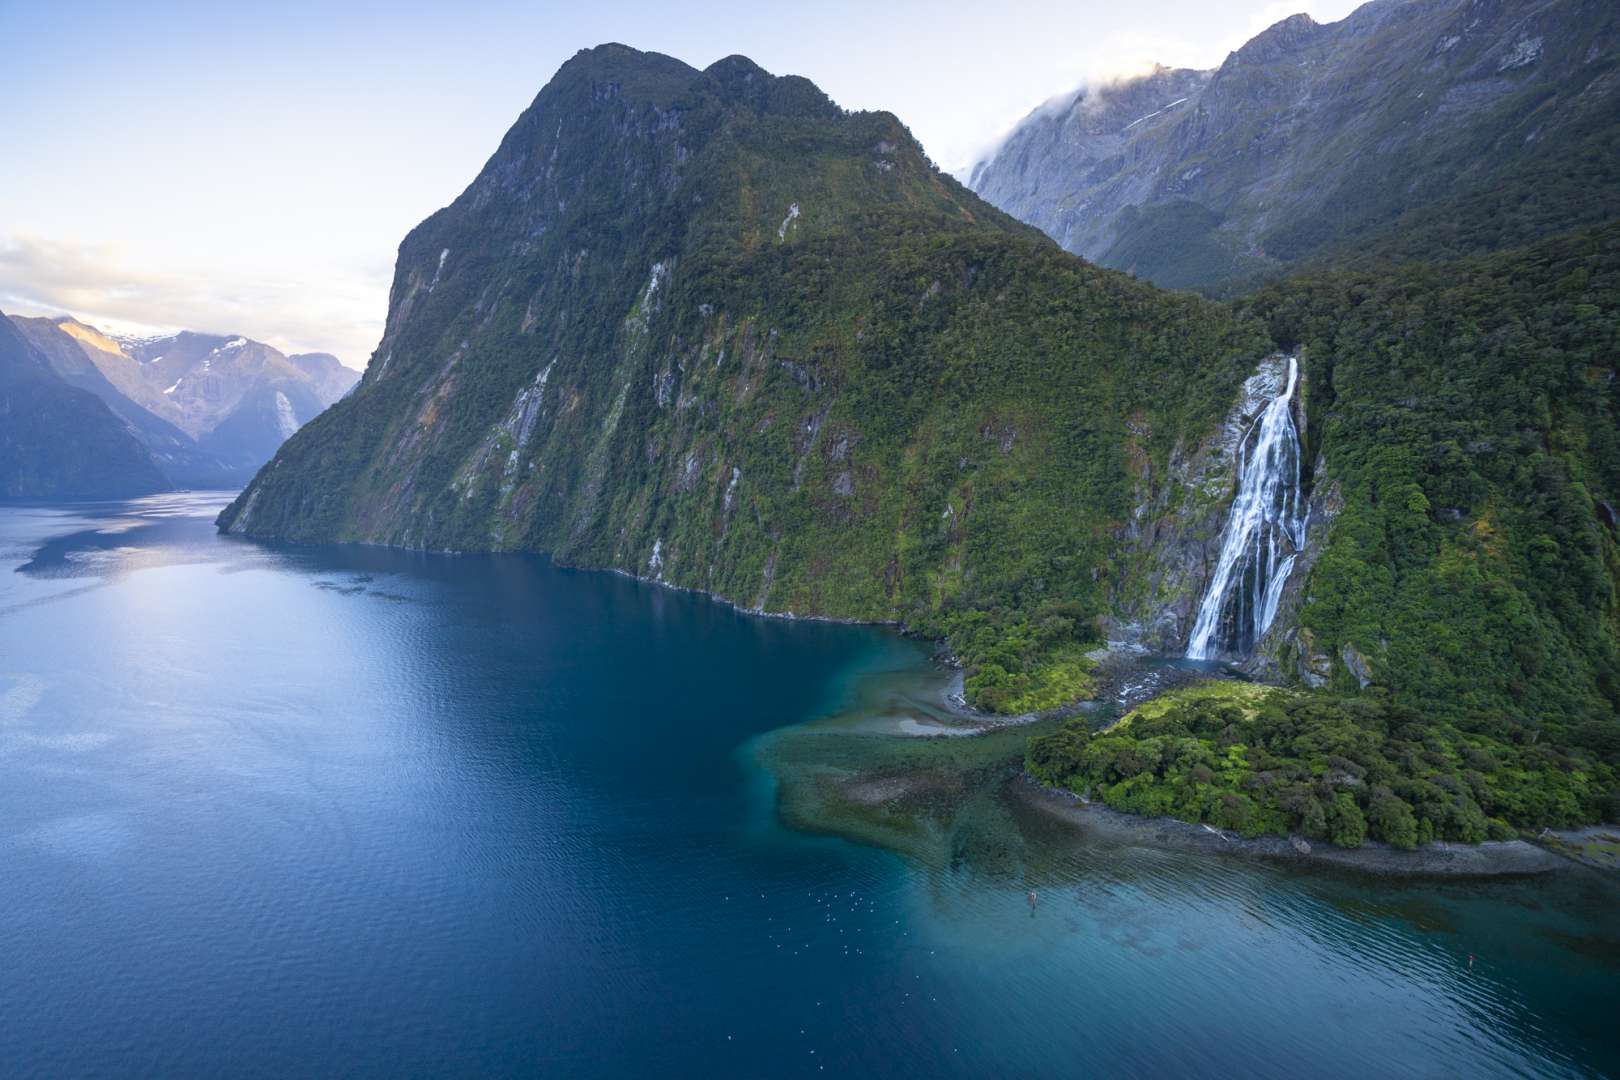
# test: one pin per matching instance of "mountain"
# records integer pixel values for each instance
(238, 398)
(1466, 419)
(58, 441)
(1410, 129)
(706, 327)
(68, 346)
(212, 408)
(330, 378)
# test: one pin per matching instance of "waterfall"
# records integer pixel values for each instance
(1265, 531)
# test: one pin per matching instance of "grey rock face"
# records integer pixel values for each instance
(1312, 137)
(1068, 167)
(1357, 665)
(1174, 535)
(1288, 652)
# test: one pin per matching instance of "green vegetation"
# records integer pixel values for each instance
(1262, 760)
(782, 352)
(1022, 664)
(1470, 415)
(709, 329)
(1176, 245)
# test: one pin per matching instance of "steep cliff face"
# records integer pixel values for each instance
(707, 328)
(1046, 170)
(1171, 543)
(1412, 128)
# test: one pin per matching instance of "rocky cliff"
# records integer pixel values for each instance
(708, 328)
(1410, 129)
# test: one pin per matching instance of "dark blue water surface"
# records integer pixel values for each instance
(351, 811)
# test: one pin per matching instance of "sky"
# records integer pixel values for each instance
(251, 168)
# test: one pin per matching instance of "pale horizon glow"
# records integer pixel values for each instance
(252, 169)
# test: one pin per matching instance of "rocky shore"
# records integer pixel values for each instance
(1493, 859)
(1596, 845)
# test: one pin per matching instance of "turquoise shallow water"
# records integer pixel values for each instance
(335, 810)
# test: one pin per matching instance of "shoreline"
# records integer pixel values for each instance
(1113, 657)
(735, 605)
(474, 553)
(1487, 860)
(1490, 859)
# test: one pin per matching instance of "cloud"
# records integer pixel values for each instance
(1118, 58)
(324, 311)
(1129, 54)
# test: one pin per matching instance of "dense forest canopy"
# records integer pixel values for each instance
(1470, 413)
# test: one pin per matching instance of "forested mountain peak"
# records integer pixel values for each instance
(707, 329)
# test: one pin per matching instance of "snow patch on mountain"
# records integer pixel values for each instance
(1525, 52)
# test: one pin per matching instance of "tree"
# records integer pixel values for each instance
(1346, 825)
(1054, 758)
(1392, 820)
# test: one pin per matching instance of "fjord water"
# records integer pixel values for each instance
(273, 811)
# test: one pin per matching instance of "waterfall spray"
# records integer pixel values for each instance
(1265, 531)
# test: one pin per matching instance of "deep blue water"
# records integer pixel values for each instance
(351, 811)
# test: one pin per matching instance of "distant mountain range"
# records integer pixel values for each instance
(200, 410)
(59, 440)
(1413, 129)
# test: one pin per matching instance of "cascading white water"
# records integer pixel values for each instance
(1265, 531)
